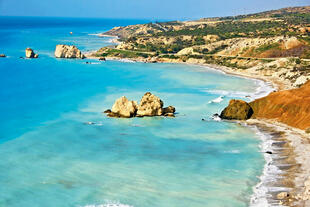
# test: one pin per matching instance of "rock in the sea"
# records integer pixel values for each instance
(68, 51)
(150, 105)
(123, 108)
(2, 56)
(169, 109)
(237, 110)
(30, 53)
(107, 111)
(102, 59)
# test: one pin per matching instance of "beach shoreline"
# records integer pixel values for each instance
(288, 177)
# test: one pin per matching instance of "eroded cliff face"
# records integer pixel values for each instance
(291, 107)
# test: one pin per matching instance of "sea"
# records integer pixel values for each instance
(50, 156)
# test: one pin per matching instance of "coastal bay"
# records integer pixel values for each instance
(57, 159)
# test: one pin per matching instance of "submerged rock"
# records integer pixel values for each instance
(123, 108)
(68, 51)
(30, 53)
(169, 114)
(150, 105)
(237, 110)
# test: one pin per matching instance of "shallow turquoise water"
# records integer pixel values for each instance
(49, 157)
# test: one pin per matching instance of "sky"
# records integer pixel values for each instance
(141, 9)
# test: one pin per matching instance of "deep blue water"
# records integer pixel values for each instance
(49, 157)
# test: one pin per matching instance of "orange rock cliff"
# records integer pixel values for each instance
(291, 107)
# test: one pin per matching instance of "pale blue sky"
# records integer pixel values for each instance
(146, 9)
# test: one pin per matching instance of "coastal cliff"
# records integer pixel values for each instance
(272, 45)
(291, 107)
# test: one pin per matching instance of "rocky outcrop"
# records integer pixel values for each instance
(291, 107)
(169, 109)
(301, 80)
(30, 53)
(237, 110)
(150, 105)
(124, 108)
(68, 51)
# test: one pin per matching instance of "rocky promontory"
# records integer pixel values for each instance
(150, 105)
(68, 51)
(291, 107)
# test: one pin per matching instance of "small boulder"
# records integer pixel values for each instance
(307, 130)
(30, 53)
(2, 56)
(282, 195)
(107, 111)
(123, 108)
(169, 109)
(102, 59)
(237, 110)
(68, 51)
(150, 105)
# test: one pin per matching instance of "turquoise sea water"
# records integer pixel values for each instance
(49, 157)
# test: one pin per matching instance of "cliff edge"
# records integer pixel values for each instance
(291, 107)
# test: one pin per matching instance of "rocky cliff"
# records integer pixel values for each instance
(291, 107)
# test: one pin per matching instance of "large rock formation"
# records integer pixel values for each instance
(123, 108)
(30, 53)
(68, 51)
(150, 105)
(237, 110)
(291, 107)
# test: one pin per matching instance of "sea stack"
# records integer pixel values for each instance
(237, 110)
(150, 105)
(30, 53)
(68, 51)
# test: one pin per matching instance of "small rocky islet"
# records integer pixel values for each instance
(150, 105)
(30, 53)
(68, 51)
